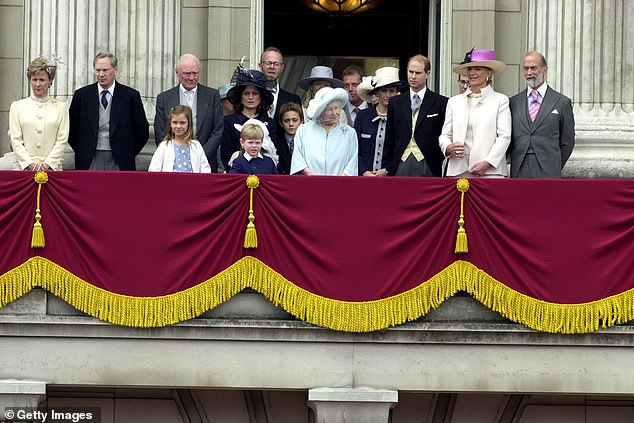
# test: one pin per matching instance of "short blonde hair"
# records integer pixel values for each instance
(252, 132)
(39, 64)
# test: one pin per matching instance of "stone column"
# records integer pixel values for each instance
(588, 46)
(143, 34)
(19, 394)
(351, 405)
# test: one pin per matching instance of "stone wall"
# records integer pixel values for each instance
(588, 46)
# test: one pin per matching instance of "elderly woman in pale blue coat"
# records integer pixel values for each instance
(324, 145)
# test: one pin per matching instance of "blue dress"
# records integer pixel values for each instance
(182, 158)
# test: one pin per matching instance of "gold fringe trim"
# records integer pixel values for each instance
(337, 315)
(251, 236)
(37, 238)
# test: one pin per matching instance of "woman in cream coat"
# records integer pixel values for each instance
(477, 128)
(38, 125)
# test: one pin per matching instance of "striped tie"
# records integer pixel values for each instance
(534, 106)
(104, 99)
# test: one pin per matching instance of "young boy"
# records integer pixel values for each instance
(252, 161)
(290, 117)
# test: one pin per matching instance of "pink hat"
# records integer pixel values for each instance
(484, 58)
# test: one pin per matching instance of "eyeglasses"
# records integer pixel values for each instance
(189, 73)
(270, 64)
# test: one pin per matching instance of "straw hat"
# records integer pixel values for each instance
(484, 58)
(386, 77)
(320, 73)
(323, 98)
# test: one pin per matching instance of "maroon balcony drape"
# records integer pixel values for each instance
(341, 244)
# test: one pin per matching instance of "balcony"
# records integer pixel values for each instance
(451, 344)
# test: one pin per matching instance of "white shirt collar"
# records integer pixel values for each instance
(361, 106)
(249, 157)
(183, 90)
(110, 90)
(421, 93)
(541, 90)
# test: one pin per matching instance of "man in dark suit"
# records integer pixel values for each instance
(272, 64)
(108, 126)
(204, 102)
(543, 133)
(414, 122)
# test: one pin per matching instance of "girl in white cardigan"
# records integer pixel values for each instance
(179, 152)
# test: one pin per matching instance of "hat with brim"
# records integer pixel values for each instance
(320, 73)
(323, 98)
(246, 77)
(482, 58)
(386, 77)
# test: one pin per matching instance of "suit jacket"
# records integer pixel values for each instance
(431, 116)
(129, 128)
(552, 135)
(208, 129)
(283, 151)
(490, 120)
(367, 129)
(284, 96)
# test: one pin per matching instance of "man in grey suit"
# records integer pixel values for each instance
(204, 102)
(543, 134)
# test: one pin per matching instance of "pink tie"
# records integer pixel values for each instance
(534, 106)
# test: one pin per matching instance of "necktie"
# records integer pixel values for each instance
(189, 98)
(292, 145)
(104, 99)
(415, 103)
(534, 106)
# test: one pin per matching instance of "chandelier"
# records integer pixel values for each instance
(341, 7)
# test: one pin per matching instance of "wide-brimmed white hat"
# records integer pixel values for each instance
(484, 58)
(320, 73)
(323, 98)
(386, 77)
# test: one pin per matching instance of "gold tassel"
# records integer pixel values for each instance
(251, 236)
(462, 245)
(37, 239)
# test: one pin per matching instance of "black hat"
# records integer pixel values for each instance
(245, 77)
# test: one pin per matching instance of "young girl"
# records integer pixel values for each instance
(251, 160)
(179, 152)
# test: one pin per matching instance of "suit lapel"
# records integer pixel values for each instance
(523, 111)
(118, 107)
(202, 99)
(428, 100)
(548, 104)
(93, 110)
(405, 106)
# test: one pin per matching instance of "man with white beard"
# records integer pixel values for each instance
(543, 134)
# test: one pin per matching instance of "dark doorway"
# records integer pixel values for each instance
(392, 31)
